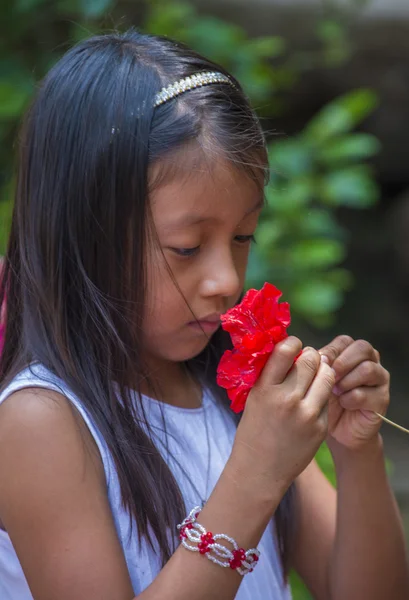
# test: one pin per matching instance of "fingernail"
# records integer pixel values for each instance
(324, 359)
(336, 390)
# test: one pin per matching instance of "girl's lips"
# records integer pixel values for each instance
(205, 326)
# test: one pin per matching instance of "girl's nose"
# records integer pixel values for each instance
(222, 277)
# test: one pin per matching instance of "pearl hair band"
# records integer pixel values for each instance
(190, 83)
(184, 85)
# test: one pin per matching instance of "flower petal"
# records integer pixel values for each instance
(255, 325)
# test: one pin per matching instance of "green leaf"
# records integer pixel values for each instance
(268, 234)
(298, 588)
(255, 78)
(320, 222)
(348, 148)
(353, 187)
(258, 269)
(341, 115)
(316, 253)
(359, 104)
(289, 196)
(329, 30)
(267, 47)
(169, 19)
(225, 38)
(326, 463)
(290, 157)
(316, 298)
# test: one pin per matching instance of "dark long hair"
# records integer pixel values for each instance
(80, 227)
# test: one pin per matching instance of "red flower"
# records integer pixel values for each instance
(258, 313)
(255, 325)
(237, 373)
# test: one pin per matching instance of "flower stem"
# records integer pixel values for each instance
(392, 423)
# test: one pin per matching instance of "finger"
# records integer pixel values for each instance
(280, 361)
(336, 347)
(367, 373)
(366, 398)
(319, 393)
(354, 354)
(304, 371)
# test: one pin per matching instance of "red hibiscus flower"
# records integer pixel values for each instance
(255, 325)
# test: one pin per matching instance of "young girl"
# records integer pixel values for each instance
(134, 214)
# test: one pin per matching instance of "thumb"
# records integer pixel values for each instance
(280, 362)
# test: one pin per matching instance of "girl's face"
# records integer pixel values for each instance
(204, 221)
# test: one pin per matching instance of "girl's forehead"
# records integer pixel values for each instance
(209, 192)
(205, 163)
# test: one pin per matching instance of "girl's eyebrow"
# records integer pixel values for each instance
(258, 206)
(197, 219)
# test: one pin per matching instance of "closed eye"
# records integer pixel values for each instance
(186, 252)
(245, 239)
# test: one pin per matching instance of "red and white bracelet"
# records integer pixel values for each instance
(243, 561)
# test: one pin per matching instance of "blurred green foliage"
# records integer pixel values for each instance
(300, 243)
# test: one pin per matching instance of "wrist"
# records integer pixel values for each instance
(260, 488)
(370, 451)
(239, 507)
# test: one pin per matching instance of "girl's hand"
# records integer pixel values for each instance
(361, 389)
(285, 418)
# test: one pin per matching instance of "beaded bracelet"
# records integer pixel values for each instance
(243, 561)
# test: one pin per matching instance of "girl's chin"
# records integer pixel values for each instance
(181, 348)
(189, 351)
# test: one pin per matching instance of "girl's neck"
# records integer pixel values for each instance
(172, 383)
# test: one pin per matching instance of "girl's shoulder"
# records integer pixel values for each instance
(53, 496)
(36, 400)
(37, 409)
(31, 414)
(33, 376)
(41, 438)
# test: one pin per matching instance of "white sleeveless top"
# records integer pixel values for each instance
(187, 440)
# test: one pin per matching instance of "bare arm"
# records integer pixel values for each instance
(316, 519)
(351, 546)
(231, 509)
(369, 558)
(53, 497)
(54, 504)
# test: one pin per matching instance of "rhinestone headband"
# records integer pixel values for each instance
(190, 83)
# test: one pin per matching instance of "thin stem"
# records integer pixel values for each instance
(392, 423)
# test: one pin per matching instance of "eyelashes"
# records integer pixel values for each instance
(188, 252)
(245, 239)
